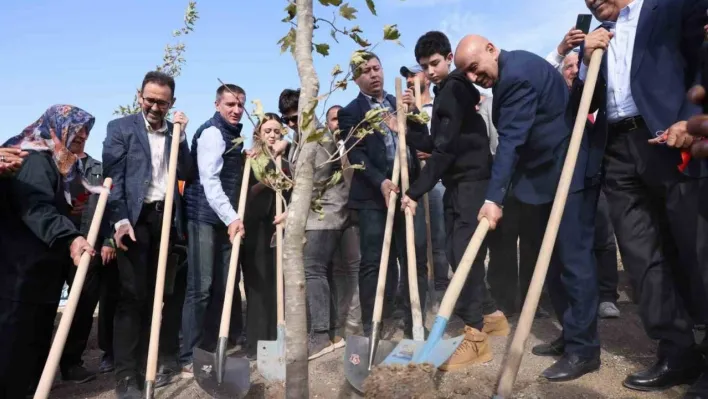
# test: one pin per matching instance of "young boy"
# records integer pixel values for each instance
(459, 154)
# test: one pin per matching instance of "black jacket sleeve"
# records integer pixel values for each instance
(35, 196)
(446, 125)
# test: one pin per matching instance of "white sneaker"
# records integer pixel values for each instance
(608, 310)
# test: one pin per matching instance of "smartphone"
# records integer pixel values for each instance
(583, 22)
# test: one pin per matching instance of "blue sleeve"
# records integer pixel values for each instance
(115, 153)
(517, 114)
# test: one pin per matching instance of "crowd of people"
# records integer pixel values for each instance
(639, 181)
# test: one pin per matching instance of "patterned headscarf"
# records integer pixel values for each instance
(64, 121)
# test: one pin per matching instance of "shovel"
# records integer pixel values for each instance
(151, 371)
(50, 367)
(515, 352)
(437, 350)
(218, 375)
(417, 316)
(432, 302)
(363, 353)
(271, 354)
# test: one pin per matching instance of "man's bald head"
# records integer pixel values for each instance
(478, 58)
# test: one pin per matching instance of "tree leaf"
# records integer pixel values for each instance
(356, 29)
(391, 32)
(236, 143)
(336, 70)
(258, 110)
(336, 178)
(347, 12)
(287, 41)
(341, 84)
(291, 9)
(420, 118)
(360, 40)
(335, 3)
(357, 166)
(308, 116)
(372, 7)
(333, 33)
(322, 48)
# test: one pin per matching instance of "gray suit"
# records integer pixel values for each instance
(127, 160)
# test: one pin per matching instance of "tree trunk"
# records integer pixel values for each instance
(296, 385)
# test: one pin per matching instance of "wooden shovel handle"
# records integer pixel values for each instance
(151, 370)
(233, 260)
(463, 270)
(386, 249)
(50, 367)
(279, 284)
(410, 228)
(426, 201)
(516, 349)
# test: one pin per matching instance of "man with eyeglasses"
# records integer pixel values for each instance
(135, 155)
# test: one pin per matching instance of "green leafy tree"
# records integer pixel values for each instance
(173, 58)
(299, 41)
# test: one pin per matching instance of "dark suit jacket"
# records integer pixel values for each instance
(127, 160)
(529, 110)
(36, 232)
(665, 64)
(365, 191)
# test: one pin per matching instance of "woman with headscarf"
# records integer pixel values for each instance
(38, 241)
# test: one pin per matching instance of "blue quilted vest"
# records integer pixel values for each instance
(198, 208)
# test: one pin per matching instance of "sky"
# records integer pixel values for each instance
(94, 54)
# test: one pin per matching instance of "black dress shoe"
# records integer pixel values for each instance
(106, 365)
(699, 389)
(571, 366)
(127, 388)
(77, 374)
(661, 376)
(555, 348)
(166, 376)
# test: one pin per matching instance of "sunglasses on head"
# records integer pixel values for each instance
(288, 119)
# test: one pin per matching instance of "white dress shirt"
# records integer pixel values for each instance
(556, 60)
(620, 103)
(157, 139)
(210, 151)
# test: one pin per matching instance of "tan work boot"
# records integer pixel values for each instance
(474, 349)
(496, 325)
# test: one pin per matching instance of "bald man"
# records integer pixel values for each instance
(530, 111)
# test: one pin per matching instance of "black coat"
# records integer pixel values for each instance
(35, 232)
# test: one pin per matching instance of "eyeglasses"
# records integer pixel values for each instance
(286, 120)
(152, 101)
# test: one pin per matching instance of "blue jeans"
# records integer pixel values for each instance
(209, 252)
(441, 265)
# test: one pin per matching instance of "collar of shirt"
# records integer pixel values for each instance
(373, 100)
(149, 128)
(630, 12)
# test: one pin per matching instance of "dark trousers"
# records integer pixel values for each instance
(25, 338)
(372, 223)
(100, 280)
(510, 272)
(659, 217)
(572, 274)
(320, 247)
(606, 252)
(110, 291)
(137, 268)
(258, 261)
(462, 203)
(209, 255)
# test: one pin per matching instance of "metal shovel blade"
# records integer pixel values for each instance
(233, 383)
(356, 359)
(271, 357)
(408, 349)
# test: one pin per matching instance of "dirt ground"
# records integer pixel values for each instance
(625, 349)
